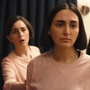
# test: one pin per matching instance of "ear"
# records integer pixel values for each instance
(49, 33)
(8, 37)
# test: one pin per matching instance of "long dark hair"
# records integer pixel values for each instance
(46, 40)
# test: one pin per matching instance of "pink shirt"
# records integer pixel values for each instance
(14, 68)
(44, 73)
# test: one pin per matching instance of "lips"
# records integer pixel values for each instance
(65, 39)
(22, 40)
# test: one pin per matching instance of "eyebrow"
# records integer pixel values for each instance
(73, 21)
(16, 28)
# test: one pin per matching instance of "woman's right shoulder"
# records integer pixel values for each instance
(37, 64)
(8, 57)
(43, 58)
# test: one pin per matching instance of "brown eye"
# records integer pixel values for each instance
(23, 29)
(73, 25)
(59, 24)
(14, 31)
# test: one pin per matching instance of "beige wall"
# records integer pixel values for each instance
(86, 18)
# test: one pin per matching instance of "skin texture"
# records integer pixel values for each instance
(64, 32)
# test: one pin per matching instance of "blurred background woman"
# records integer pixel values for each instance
(14, 66)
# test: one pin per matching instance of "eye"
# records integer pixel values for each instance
(14, 31)
(73, 25)
(59, 24)
(23, 29)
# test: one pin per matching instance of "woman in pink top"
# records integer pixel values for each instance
(14, 67)
(65, 67)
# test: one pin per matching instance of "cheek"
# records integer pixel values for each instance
(56, 34)
(28, 36)
(14, 39)
(77, 33)
(75, 36)
(10, 38)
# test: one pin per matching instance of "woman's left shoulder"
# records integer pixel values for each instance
(84, 55)
(34, 47)
(35, 51)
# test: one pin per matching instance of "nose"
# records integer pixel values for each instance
(20, 33)
(66, 30)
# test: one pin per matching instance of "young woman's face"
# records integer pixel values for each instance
(64, 28)
(19, 35)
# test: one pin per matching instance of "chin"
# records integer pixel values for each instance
(65, 46)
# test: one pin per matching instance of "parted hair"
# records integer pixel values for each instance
(11, 22)
(46, 40)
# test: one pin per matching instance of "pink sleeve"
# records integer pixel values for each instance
(28, 80)
(8, 74)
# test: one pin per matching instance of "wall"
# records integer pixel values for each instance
(86, 18)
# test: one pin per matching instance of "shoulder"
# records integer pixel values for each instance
(85, 58)
(8, 58)
(39, 63)
(6, 63)
(84, 62)
(35, 51)
(42, 56)
(34, 47)
(41, 59)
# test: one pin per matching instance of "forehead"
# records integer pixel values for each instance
(66, 15)
(19, 23)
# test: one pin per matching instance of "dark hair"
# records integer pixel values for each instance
(88, 48)
(46, 40)
(12, 20)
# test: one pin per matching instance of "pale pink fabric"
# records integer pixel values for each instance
(44, 73)
(14, 68)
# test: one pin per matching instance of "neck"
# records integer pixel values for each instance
(65, 56)
(22, 51)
